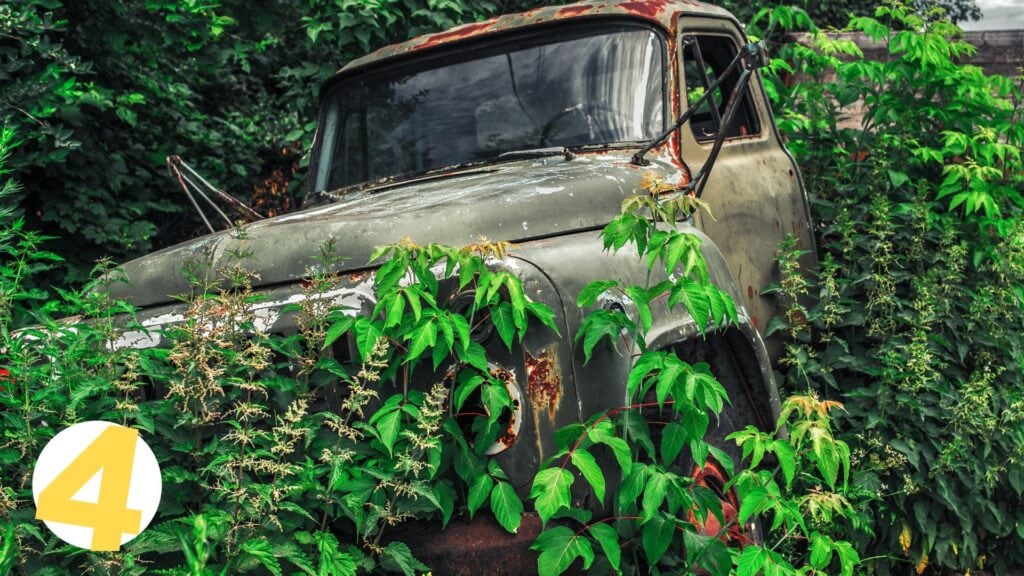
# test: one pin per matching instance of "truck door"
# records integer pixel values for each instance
(754, 192)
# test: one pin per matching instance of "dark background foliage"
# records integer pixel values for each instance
(103, 91)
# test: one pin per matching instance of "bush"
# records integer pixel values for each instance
(915, 317)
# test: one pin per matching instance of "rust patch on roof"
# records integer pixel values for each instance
(577, 10)
(660, 12)
(456, 33)
(648, 9)
(543, 381)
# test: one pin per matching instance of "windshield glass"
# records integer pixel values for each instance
(579, 86)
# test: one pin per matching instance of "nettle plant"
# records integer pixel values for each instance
(264, 469)
(664, 514)
(915, 318)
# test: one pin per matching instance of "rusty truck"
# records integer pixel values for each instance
(533, 128)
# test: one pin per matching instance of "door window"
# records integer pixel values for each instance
(705, 58)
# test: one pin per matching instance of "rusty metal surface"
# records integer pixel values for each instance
(543, 381)
(478, 547)
(660, 12)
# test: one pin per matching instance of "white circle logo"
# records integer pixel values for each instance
(96, 485)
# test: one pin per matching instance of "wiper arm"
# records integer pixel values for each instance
(538, 153)
(752, 56)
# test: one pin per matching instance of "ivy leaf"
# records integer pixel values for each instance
(507, 507)
(647, 362)
(751, 561)
(673, 438)
(445, 494)
(475, 356)
(465, 389)
(786, 455)
(501, 316)
(848, 557)
(633, 484)
(587, 465)
(657, 535)
(367, 333)
(461, 326)
(600, 324)
(604, 433)
(609, 541)
(693, 298)
(707, 552)
(820, 551)
(641, 299)
(673, 369)
(559, 547)
(588, 296)
(752, 502)
(567, 435)
(421, 338)
(543, 313)
(654, 493)
(478, 493)
(518, 300)
(695, 422)
(550, 491)
(396, 310)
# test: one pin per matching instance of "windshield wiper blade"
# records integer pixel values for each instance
(538, 153)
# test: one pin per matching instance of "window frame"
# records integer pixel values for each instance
(750, 103)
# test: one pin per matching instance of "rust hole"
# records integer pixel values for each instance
(543, 383)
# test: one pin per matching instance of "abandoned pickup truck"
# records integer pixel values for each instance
(533, 128)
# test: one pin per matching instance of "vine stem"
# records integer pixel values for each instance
(587, 526)
(603, 417)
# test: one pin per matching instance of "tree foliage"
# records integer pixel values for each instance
(102, 91)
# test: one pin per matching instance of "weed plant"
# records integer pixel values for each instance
(914, 319)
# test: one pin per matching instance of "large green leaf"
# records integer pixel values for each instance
(657, 534)
(550, 491)
(587, 465)
(559, 547)
(507, 506)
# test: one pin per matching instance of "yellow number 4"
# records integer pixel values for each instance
(113, 452)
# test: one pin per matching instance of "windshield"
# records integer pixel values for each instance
(571, 87)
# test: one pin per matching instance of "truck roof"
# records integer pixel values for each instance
(663, 13)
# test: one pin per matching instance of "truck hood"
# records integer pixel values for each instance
(517, 202)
